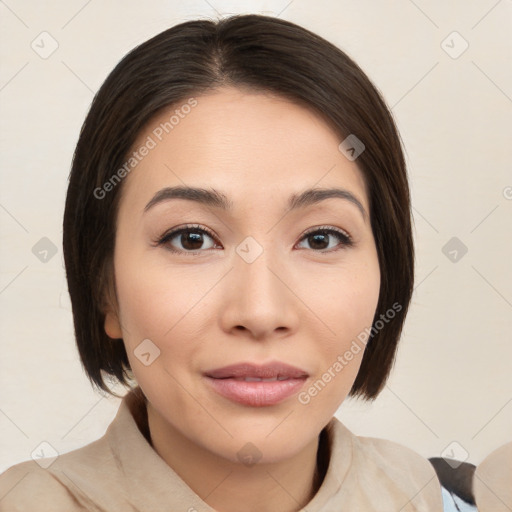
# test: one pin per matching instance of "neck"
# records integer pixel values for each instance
(227, 486)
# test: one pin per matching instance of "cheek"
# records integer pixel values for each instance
(150, 301)
(157, 310)
(347, 304)
(162, 305)
(348, 298)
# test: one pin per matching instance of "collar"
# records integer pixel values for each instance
(150, 481)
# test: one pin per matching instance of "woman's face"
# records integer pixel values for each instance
(253, 284)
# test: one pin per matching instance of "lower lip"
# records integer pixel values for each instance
(256, 394)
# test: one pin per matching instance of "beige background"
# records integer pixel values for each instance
(451, 389)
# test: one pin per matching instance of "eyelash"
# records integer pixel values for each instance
(344, 238)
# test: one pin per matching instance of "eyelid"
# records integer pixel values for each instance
(314, 229)
(172, 233)
(343, 236)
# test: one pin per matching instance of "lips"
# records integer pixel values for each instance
(270, 372)
(256, 385)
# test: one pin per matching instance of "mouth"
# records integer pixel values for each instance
(257, 385)
(269, 372)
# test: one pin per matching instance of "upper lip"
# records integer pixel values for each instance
(266, 371)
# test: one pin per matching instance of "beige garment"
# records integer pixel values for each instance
(121, 472)
(492, 481)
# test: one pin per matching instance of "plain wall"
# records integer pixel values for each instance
(452, 382)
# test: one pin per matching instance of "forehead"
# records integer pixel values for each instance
(247, 144)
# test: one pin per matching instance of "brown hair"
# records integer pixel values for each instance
(246, 51)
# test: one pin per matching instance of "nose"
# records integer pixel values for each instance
(258, 299)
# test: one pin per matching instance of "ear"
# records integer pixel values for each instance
(109, 304)
(112, 325)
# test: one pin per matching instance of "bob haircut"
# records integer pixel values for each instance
(253, 53)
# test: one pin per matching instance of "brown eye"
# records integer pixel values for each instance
(191, 239)
(186, 240)
(320, 239)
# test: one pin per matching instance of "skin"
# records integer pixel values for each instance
(297, 302)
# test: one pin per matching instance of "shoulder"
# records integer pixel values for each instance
(70, 483)
(405, 460)
(399, 471)
(28, 487)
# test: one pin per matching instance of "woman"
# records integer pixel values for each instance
(238, 249)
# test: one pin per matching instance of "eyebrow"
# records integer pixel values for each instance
(214, 198)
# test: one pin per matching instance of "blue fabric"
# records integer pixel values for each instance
(452, 503)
